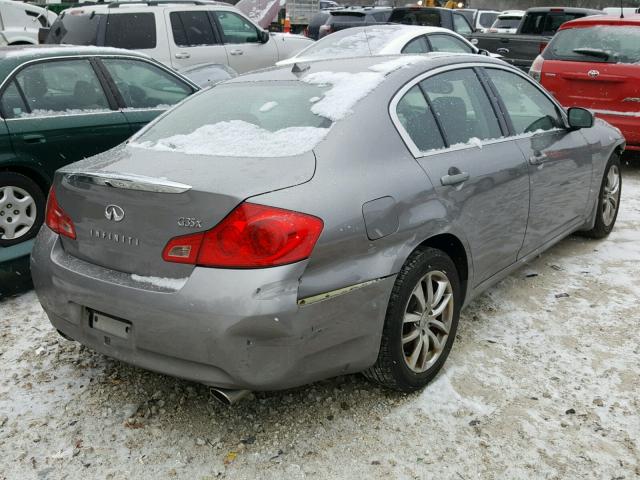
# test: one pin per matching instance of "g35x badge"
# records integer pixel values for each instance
(189, 222)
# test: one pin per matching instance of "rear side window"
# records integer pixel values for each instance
(61, 87)
(529, 109)
(417, 45)
(136, 31)
(546, 23)
(143, 85)
(418, 121)
(461, 25)
(462, 107)
(76, 29)
(448, 43)
(602, 43)
(192, 28)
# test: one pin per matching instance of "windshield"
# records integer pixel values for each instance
(350, 43)
(242, 119)
(75, 29)
(608, 43)
(507, 22)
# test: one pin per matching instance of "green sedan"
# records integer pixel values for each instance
(61, 104)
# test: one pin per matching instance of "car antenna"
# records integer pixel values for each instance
(621, 9)
(297, 69)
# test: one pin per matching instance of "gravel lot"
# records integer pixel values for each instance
(543, 382)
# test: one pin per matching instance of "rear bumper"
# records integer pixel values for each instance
(227, 328)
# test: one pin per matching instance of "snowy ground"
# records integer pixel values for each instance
(539, 385)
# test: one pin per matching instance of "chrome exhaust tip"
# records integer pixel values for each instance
(228, 397)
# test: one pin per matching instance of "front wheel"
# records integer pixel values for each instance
(21, 208)
(608, 200)
(421, 322)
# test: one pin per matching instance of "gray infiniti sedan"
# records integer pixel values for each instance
(319, 219)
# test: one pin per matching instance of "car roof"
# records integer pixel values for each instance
(144, 5)
(563, 9)
(11, 57)
(512, 13)
(633, 20)
(411, 65)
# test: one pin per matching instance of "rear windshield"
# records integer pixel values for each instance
(76, 29)
(602, 43)
(546, 23)
(416, 17)
(359, 17)
(507, 22)
(270, 120)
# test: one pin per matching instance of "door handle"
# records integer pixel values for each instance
(34, 138)
(502, 51)
(537, 158)
(454, 177)
(183, 55)
(236, 52)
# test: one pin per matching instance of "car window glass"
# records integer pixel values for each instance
(76, 29)
(12, 103)
(59, 87)
(143, 85)
(192, 28)
(131, 30)
(545, 23)
(529, 109)
(460, 24)
(418, 121)
(507, 22)
(381, 16)
(616, 44)
(448, 43)
(417, 45)
(461, 106)
(486, 19)
(237, 29)
(416, 17)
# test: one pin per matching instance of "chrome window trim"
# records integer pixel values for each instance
(10, 77)
(416, 152)
(125, 181)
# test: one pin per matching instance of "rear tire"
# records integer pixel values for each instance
(419, 332)
(608, 200)
(21, 208)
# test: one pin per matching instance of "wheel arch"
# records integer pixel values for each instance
(41, 180)
(455, 249)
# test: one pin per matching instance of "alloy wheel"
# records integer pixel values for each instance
(17, 212)
(427, 321)
(611, 195)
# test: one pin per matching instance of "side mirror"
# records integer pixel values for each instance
(580, 118)
(43, 33)
(263, 36)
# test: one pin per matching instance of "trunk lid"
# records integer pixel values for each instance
(160, 195)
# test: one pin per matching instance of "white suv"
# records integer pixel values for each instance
(177, 33)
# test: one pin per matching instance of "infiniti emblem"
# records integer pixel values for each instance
(114, 212)
(593, 73)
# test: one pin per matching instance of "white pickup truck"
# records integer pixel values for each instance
(20, 22)
(179, 34)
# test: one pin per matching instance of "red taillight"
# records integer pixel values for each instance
(536, 68)
(56, 219)
(325, 29)
(542, 46)
(251, 236)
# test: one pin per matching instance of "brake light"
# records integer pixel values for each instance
(556, 9)
(536, 68)
(56, 219)
(542, 46)
(326, 29)
(251, 236)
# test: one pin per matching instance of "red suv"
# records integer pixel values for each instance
(594, 63)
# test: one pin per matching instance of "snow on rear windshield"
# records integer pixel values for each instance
(620, 43)
(270, 119)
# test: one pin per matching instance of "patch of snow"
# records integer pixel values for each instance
(76, 49)
(314, 99)
(162, 282)
(263, 12)
(268, 106)
(237, 138)
(615, 113)
(398, 63)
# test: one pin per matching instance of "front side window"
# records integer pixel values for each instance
(417, 45)
(461, 25)
(136, 31)
(192, 28)
(237, 29)
(448, 43)
(418, 120)
(601, 43)
(61, 87)
(143, 85)
(529, 109)
(462, 106)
